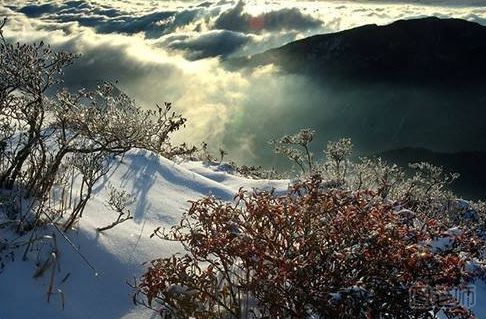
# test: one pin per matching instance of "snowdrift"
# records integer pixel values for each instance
(162, 189)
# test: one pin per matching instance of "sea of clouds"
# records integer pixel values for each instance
(172, 50)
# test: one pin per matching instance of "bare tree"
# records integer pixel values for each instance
(43, 128)
(337, 154)
(118, 201)
(27, 72)
(92, 168)
(49, 128)
(296, 148)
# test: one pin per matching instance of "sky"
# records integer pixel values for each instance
(172, 50)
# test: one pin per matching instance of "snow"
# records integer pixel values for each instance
(162, 189)
(223, 175)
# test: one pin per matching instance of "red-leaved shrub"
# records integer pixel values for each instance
(310, 253)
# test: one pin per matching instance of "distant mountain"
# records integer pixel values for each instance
(471, 166)
(418, 51)
(419, 82)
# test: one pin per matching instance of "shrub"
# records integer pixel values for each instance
(44, 129)
(296, 148)
(119, 201)
(337, 154)
(42, 125)
(308, 253)
(49, 137)
(425, 185)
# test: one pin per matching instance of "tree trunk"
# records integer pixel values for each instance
(44, 184)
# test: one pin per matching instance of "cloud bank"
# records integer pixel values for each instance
(168, 51)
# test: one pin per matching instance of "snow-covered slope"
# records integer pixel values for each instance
(162, 189)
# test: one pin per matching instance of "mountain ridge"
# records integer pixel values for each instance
(431, 51)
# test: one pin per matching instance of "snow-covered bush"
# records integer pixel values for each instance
(43, 127)
(424, 187)
(27, 71)
(337, 155)
(92, 167)
(296, 147)
(119, 201)
(255, 172)
(377, 175)
(311, 253)
(51, 139)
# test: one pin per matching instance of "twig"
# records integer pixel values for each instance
(71, 244)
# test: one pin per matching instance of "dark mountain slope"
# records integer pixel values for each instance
(418, 51)
(417, 83)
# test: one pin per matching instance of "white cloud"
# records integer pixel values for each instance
(134, 42)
